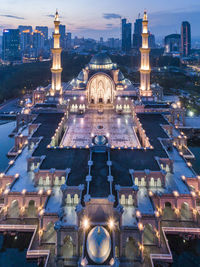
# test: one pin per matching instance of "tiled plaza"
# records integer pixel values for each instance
(118, 128)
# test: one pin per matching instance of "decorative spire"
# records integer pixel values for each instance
(145, 16)
(56, 15)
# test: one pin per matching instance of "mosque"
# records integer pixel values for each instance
(100, 170)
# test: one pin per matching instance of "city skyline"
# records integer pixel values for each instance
(104, 17)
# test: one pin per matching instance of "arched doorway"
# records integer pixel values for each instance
(149, 235)
(49, 235)
(67, 248)
(14, 209)
(131, 249)
(100, 89)
(186, 214)
(168, 213)
(31, 210)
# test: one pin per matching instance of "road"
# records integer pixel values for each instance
(10, 106)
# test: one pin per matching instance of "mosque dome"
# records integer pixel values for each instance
(101, 59)
(81, 76)
(120, 76)
(98, 244)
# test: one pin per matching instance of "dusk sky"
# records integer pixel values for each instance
(96, 18)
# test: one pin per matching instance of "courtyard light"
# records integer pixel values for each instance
(86, 223)
(111, 223)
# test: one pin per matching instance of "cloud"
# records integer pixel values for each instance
(50, 16)
(111, 16)
(109, 25)
(11, 16)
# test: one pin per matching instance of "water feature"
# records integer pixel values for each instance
(196, 163)
(6, 142)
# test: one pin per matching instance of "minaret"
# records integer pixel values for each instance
(56, 70)
(145, 70)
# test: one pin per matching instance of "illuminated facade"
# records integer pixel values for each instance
(145, 90)
(56, 70)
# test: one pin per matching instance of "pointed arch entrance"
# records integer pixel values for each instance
(100, 89)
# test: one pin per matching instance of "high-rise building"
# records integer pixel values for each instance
(69, 40)
(137, 38)
(56, 70)
(62, 31)
(11, 45)
(25, 28)
(26, 42)
(126, 35)
(152, 41)
(145, 70)
(44, 30)
(172, 43)
(185, 39)
(38, 43)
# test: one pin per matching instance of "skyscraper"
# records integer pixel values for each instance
(172, 43)
(137, 37)
(26, 42)
(24, 28)
(44, 30)
(62, 31)
(38, 43)
(126, 36)
(185, 39)
(11, 45)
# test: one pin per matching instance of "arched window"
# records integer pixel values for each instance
(76, 199)
(130, 200)
(123, 200)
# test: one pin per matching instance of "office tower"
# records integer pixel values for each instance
(24, 28)
(126, 36)
(137, 38)
(38, 43)
(145, 90)
(44, 30)
(172, 43)
(11, 45)
(185, 39)
(62, 31)
(152, 41)
(26, 42)
(69, 40)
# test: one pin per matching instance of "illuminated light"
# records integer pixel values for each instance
(193, 193)
(42, 212)
(150, 193)
(189, 164)
(126, 98)
(11, 162)
(40, 232)
(23, 191)
(86, 146)
(111, 223)
(92, 135)
(16, 175)
(183, 177)
(141, 247)
(198, 177)
(119, 98)
(49, 192)
(86, 223)
(19, 151)
(191, 113)
(6, 191)
(74, 97)
(107, 134)
(82, 98)
(112, 261)
(176, 194)
(22, 209)
(40, 192)
(138, 214)
(140, 226)
(157, 214)
(74, 146)
(177, 211)
(1, 175)
(195, 211)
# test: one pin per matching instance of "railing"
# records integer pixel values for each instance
(168, 257)
(30, 253)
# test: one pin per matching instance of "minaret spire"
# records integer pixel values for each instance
(145, 70)
(56, 70)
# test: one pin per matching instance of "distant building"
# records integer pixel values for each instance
(137, 38)
(62, 30)
(38, 43)
(126, 36)
(25, 28)
(152, 41)
(172, 44)
(44, 30)
(26, 42)
(185, 39)
(11, 45)
(69, 41)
